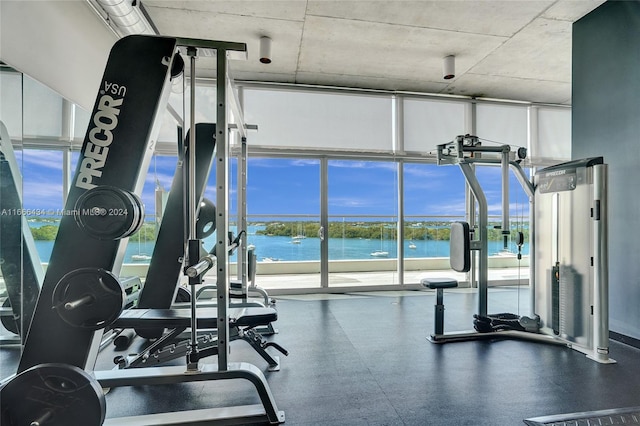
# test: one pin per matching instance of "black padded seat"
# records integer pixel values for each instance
(439, 284)
(435, 283)
(181, 318)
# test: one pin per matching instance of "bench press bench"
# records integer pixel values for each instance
(207, 318)
(242, 322)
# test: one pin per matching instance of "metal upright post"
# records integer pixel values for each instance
(323, 232)
(482, 232)
(222, 209)
(400, 224)
(504, 168)
(600, 266)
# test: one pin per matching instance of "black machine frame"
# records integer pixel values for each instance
(116, 150)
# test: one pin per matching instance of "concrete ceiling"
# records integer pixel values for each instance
(515, 49)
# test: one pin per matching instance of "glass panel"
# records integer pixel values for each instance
(283, 202)
(43, 197)
(504, 124)
(43, 111)
(434, 196)
(428, 123)
(80, 125)
(554, 136)
(11, 102)
(319, 120)
(363, 220)
(154, 196)
(12, 224)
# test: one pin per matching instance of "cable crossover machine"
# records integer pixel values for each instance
(55, 383)
(568, 250)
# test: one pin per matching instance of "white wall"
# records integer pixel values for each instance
(62, 44)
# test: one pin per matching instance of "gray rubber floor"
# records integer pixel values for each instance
(363, 359)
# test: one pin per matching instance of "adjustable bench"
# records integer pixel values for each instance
(207, 318)
(242, 322)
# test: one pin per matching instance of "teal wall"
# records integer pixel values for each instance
(606, 122)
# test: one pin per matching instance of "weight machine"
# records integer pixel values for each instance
(81, 295)
(163, 276)
(569, 277)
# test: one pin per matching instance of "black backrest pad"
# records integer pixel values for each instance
(460, 247)
(251, 265)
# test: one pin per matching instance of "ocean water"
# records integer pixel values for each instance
(271, 248)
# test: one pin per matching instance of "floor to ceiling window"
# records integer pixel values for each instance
(323, 181)
(434, 196)
(363, 221)
(283, 203)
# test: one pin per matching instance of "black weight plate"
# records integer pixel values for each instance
(183, 295)
(177, 66)
(9, 321)
(206, 222)
(138, 220)
(89, 298)
(107, 213)
(52, 395)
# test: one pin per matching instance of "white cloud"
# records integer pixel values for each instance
(40, 158)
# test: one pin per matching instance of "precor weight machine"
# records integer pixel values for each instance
(81, 294)
(568, 254)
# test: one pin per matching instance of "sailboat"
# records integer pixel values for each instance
(412, 245)
(380, 253)
(140, 257)
(297, 239)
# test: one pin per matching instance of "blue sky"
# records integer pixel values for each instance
(292, 186)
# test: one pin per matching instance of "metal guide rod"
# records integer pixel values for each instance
(222, 203)
(528, 188)
(190, 197)
(242, 209)
(192, 148)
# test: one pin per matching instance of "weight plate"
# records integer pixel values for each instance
(206, 222)
(89, 298)
(139, 210)
(9, 321)
(52, 395)
(177, 66)
(108, 213)
(183, 295)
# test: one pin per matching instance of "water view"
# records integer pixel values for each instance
(273, 248)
